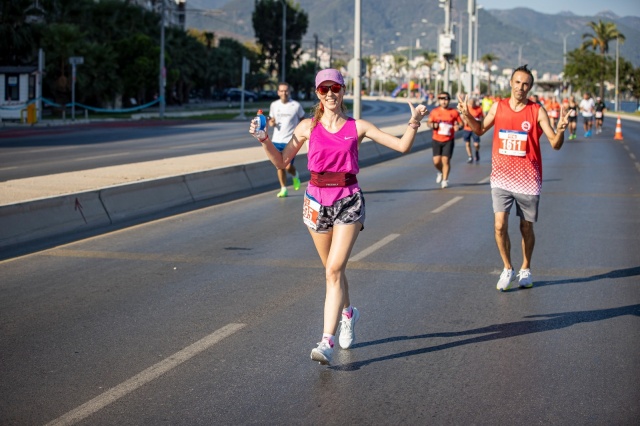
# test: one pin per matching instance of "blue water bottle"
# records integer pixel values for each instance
(261, 125)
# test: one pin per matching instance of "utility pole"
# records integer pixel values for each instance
(446, 5)
(315, 52)
(284, 39)
(161, 83)
(617, 71)
(460, 53)
(471, 7)
(357, 81)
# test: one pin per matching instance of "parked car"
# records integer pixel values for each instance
(269, 95)
(235, 94)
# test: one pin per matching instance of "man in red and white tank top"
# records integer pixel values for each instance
(516, 167)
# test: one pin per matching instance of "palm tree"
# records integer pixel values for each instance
(16, 35)
(604, 32)
(430, 58)
(399, 62)
(369, 62)
(489, 59)
(462, 59)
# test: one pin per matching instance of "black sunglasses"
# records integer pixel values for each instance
(443, 99)
(335, 88)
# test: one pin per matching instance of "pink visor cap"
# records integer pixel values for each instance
(329, 75)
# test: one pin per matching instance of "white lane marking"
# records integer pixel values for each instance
(632, 155)
(146, 376)
(485, 180)
(8, 168)
(366, 252)
(638, 166)
(447, 204)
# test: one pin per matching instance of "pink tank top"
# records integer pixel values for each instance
(333, 152)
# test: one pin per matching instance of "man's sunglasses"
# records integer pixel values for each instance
(335, 88)
(443, 99)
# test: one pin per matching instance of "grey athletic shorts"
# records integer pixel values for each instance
(526, 205)
(345, 211)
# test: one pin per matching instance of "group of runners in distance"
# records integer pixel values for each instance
(334, 206)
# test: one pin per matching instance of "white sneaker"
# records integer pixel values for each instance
(525, 280)
(322, 353)
(506, 278)
(347, 329)
(444, 184)
(439, 178)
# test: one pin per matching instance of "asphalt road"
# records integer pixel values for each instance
(209, 317)
(46, 151)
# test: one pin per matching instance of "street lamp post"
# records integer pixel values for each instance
(520, 55)
(284, 39)
(162, 69)
(357, 81)
(564, 48)
(460, 53)
(617, 71)
(471, 7)
(475, 48)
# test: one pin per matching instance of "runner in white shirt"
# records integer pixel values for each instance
(587, 108)
(284, 116)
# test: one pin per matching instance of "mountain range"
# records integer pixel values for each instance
(514, 35)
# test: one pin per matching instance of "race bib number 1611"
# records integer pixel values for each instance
(513, 142)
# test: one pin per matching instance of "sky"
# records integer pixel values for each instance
(579, 7)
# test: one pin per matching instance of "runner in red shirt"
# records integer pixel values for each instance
(516, 167)
(476, 111)
(445, 122)
(554, 111)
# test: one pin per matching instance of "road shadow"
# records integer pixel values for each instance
(617, 273)
(493, 332)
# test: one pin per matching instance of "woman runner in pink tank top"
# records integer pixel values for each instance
(333, 204)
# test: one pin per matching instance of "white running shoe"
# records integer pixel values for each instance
(444, 184)
(506, 278)
(439, 178)
(347, 329)
(525, 280)
(322, 353)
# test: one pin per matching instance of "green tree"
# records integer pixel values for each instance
(430, 58)
(302, 79)
(187, 60)
(489, 59)
(138, 65)
(98, 77)
(18, 37)
(369, 62)
(583, 70)
(267, 25)
(226, 63)
(399, 62)
(603, 33)
(60, 42)
(634, 84)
